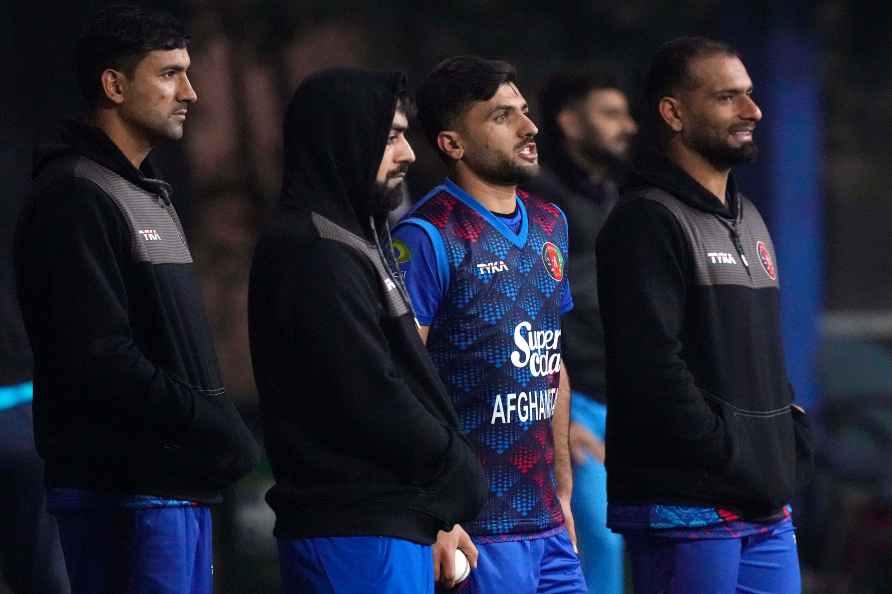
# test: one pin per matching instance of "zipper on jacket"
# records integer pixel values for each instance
(735, 237)
(172, 213)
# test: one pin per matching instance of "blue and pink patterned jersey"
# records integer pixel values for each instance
(492, 294)
(688, 521)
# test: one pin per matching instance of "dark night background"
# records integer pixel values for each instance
(822, 77)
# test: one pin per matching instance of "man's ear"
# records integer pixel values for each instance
(114, 84)
(568, 123)
(670, 110)
(450, 143)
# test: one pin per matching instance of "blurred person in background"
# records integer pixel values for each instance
(31, 560)
(586, 143)
(706, 448)
(484, 265)
(130, 414)
(364, 443)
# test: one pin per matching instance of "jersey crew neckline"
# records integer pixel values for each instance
(518, 238)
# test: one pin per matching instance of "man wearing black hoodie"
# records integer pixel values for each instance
(129, 407)
(705, 446)
(362, 437)
(587, 134)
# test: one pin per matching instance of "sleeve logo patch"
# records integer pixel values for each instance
(553, 260)
(401, 251)
(766, 261)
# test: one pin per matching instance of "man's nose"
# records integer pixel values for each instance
(187, 92)
(528, 126)
(407, 154)
(751, 110)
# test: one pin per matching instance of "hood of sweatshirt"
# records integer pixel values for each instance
(655, 170)
(75, 138)
(335, 132)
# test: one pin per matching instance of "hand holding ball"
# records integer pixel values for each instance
(462, 567)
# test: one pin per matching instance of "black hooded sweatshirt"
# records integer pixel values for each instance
(697, 389)
(361, 434)
(128, 397)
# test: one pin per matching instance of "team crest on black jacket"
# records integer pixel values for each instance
(765, 259)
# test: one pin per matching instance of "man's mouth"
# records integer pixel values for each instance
(528, 152)
(743, 134)
(398, 174)
(180, 113)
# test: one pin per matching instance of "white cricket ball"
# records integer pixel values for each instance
(462, 567)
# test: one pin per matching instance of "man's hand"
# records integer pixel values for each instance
(568, 520)
(444, 554)
(584, 444)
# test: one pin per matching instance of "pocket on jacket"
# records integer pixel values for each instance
(763, 467)
(458, 492)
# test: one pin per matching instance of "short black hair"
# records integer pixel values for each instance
(119, 36)
(453, 85)
(567, 87)
(670, 71)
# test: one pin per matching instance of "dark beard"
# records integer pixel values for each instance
(384, 199)
(721, 155)
(504, 172)
(616, 165)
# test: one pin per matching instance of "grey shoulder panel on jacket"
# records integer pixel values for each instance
(154, 228)
(395, 302)
(716, 258)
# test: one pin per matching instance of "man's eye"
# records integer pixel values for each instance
(392, 138)
(501, 117)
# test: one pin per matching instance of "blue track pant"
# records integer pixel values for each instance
(759, 564)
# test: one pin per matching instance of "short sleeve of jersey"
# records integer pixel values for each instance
(566, 297)
(419, 264)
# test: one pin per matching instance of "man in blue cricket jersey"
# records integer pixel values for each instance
(484, 266)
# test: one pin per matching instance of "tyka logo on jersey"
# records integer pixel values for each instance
(150, 235)
(492, 267)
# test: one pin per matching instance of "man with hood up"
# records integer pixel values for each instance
(363, 440)
(129, 408)
(705, 446)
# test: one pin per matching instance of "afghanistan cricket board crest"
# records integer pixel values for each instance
(553, 260)
(765, 259)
